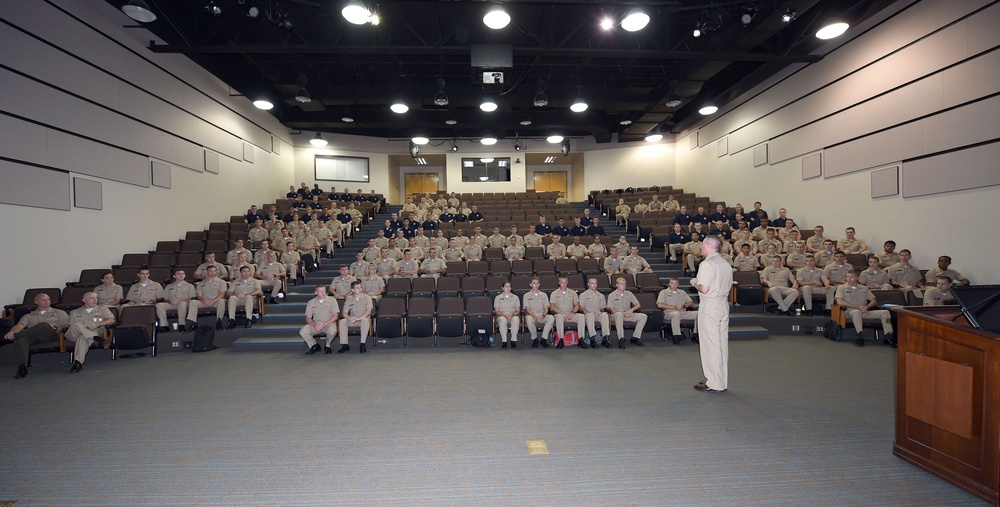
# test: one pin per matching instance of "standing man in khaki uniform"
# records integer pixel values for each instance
(244, 289)
(565, 306)
(321, 312)
(858, 302)
(507, 307)
(810, 280)
(143, 292)
(625, 308)
(272, 276)
(176, 296)
(715, 278)
(536, 309)
(594, 306)
(41, 325)
(782, 287)
(676, 305)
(85, 324)
(358, 307)
(210, 292)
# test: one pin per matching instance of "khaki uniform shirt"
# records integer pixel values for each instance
(796, 258)
(260, 257)
(762, 244)
(886, 259)
(234, 253)
(836, 273)
(612, 265)
(907, 276)
(395, 254)
(290, 258)
(359, 269)
(673, 297)
(97, 314)
(106, 295)
(274, 270)
(371, 253)
(453, 254)
(815, 243)
(851, 246)
(520, 239)
(634, 264)
(497, 241)
(935, 272)
(146, 295)
(461, 241)
(871, 277)
(373, 285)
(619, 302)
(533, 239)
(824, 258)
(514, 253)
(673, 205)
(53, 317)
(384, 266)
(379, 244)
(641, 208)
(220, 269)
(857, 295)
(441, 243)
(536, 302)
(322, 310)
(422, 241)
(780, 277)
(341, 285)
(934, 297)
(592, 301)
(656, 205)
(408, 265)
(623, 210)
(209, 289)
(473, 252)
(356, 306)
(809, 275)
(556, 250)
(564, 300)
(309, 243)
(506, 303)
(182, 291)
(257, 235)
(577, 251)
(241, 287)
(234, 271)
(435, 264)
(480, 240)
(597, 251)
(746, 262)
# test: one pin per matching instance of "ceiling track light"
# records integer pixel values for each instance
(454, 147)
(414, 149)
(654, 136)
(541, 100)
(302, 96)
(673, 100)
(526, 121)
(440, 98)
(496, 18)
(789, 15)
(832, 29)
(554, 139)
(139, 11)
(564, 147)
(748, 14)
(318, 141)
(635, 20)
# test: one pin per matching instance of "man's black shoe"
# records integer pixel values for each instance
(312, 350)
(362, 348)
(544, 342)
(582, 343)
(77, 366)
(605, 343)
(534, 343)
(637, 342)
(560, 344)
(22, 371)
(163, 329)
(694, 338)
(860, 341)
(621, 343)
(503, 345)
(593, 343)
(513, 344)
(890, 340)
(218, 325)
(343, 348)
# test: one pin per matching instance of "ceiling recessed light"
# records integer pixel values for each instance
(488, 105)
(578, 106)
(625, 122)
(486, 160)
(673, 100)
(347, 119)
(263, 104)
(526, 121)
(399, 107)
(420, 140)
(451, 121)
(832, 29)
(496, 18)
(554, 139)
(488, 141)
(635, 20)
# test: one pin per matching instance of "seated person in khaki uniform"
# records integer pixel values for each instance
(613, 262)
(858, 302)
(373, 284)
(655, 204)
(676, 305)
(244, 289)
(815, 242)
(386, 265)
(359, 268)
(810, 280)
(797, 257)
(888, 256)
(42, 325)
(825, 257)
(745, 261)
(635, 263)
(943, 269)
(340, 287)
(321, 313)
(533, 239)
(875, 278)
(565, 306)
(905, 276)
(576, 250)
(835, 273)
(594, 306)
(507, 308)
(143, 292)
(86, 324)
(453, 253)
(240, 261)
(408, 267)
(211, 293)
(272, 276)
(514, 234)
(237, 248)
(622, 212)
(473, 252)
(356, 313)
(514, 251)
(596, 250)
(433, 266)
(176, 296)
(624, 308)
(556, 250)
(292, 261)
(220, 269)
(850, 244)
(692, 252)
(497, 240)
(783, 288)
(108, 292)
(940, 294)
(536, 310)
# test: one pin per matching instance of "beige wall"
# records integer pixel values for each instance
(640, 165)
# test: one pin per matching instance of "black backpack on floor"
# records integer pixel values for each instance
(204, 339)
(833, 331)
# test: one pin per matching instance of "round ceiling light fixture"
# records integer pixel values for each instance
(635, 20)
(399, 107)
(832, 29)
(554, 139)
(496, 18)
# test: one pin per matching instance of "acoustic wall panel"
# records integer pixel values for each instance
(973, 79)
(877, 149)
(21, 140)
(983, 33)
(885, 182)
(975, 167)
(760, 155)
(812, 166)
(693, 140)
(84, 156)
(211, 162)
(217, 140)
(160, 174)
(87, 194)
(905, 28)
(722, 147)
(36, 187)
(275, 145)
(248, 152)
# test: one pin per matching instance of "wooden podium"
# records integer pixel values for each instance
(948, 398)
